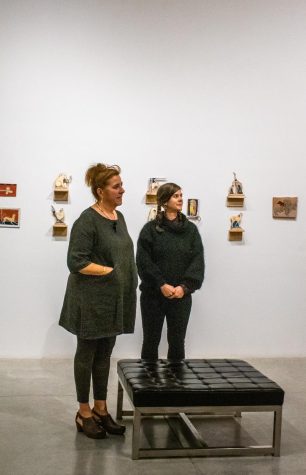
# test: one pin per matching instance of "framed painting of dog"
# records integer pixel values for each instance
(9, 217)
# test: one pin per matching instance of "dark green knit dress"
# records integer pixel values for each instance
(100, 306)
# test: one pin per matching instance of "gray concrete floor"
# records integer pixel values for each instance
(38, 435)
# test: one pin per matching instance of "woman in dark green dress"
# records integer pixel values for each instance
(100, 299)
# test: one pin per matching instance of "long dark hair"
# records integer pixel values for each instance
(164, 194)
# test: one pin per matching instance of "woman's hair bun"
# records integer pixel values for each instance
(98, 175)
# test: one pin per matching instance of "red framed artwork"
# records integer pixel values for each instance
(8, 190)
(9, 217)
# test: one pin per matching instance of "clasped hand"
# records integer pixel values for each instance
(171, 292)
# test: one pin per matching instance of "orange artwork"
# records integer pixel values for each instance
(8, 190)
(9, 217)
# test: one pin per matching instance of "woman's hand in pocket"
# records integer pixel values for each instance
(107, 270)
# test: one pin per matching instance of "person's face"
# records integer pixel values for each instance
(176, 202)
(112, 193)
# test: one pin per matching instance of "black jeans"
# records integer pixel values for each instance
(92, 359)
(154, 308)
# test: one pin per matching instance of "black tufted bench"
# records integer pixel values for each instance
(197, 386)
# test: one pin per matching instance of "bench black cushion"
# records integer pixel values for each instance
(197, 382)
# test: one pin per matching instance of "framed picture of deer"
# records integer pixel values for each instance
(9, 217)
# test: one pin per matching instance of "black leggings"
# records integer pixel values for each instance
(92, 359)
(154, 309)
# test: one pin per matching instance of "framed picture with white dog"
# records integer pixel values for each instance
(9, 217)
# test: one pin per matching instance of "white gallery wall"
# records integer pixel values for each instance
(190, 90)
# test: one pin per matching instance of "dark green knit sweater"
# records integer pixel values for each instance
(170, 253)
(100, 306)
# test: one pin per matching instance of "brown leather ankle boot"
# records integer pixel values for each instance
(89, 426)
(107, 423)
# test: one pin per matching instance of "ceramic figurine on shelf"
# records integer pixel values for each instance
(62, 181)
(153, 186)
(151, 194)
(236, 187)
(152, 214)
(59, 215)
(235, 221)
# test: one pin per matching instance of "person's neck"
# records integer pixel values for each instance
(171, 215)
(107, 210)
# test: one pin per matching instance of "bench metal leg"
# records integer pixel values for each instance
(119, 401)
(136, 434)
(277, 426)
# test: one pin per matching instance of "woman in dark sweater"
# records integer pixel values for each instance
(100, 299)
(170, 261)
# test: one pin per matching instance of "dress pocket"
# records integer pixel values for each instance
(106, 277)
(88, 280)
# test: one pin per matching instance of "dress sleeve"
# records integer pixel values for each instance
(147, 269)
(194, 274)
(80, 245)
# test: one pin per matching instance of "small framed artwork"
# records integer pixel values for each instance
(192, 208)
(284, 207)
(8, 190)
(9, 217)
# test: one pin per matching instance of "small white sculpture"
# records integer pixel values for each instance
(152, 214)
(62, 181)
(153, 186)
(58, 214)
(236, 188)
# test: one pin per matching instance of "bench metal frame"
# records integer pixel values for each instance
(139, 412)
